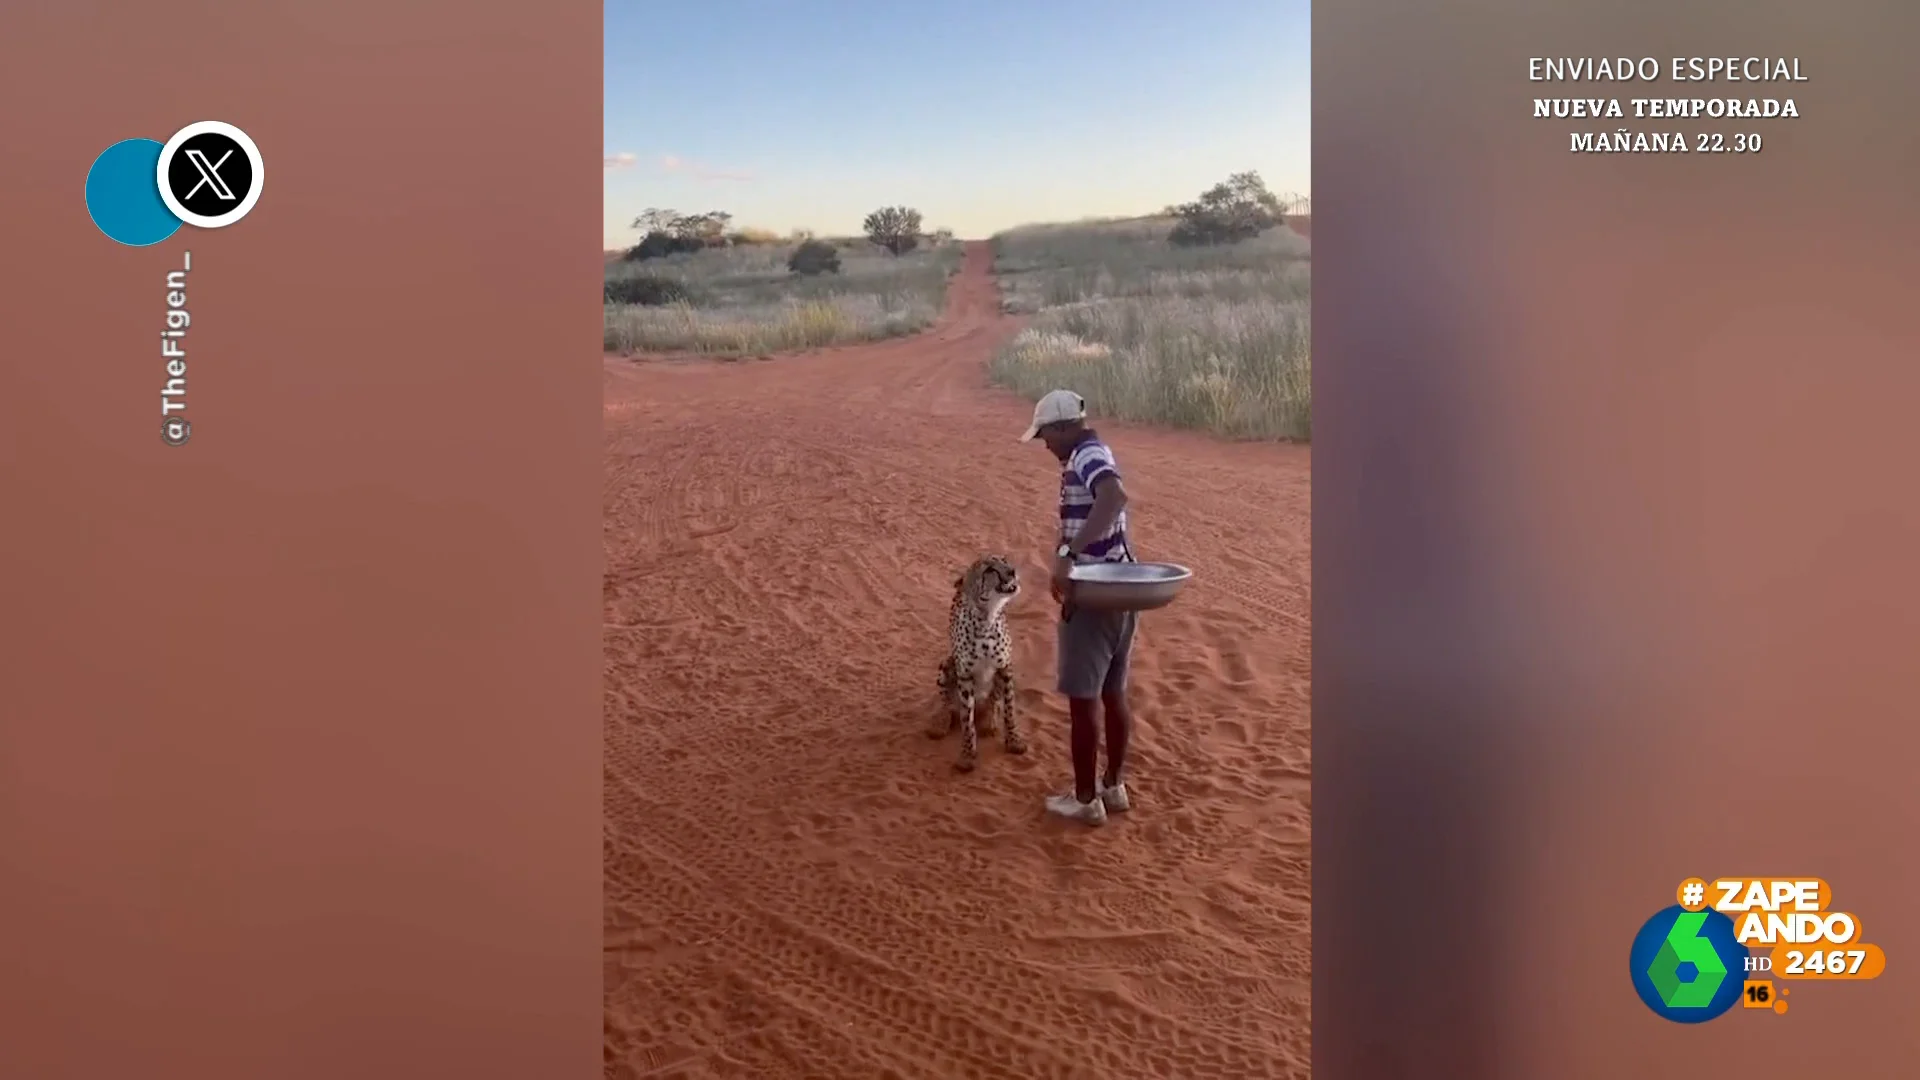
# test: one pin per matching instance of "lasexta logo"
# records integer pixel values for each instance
(1684, 948)
(1683, 964)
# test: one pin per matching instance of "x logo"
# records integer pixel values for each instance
(209, 176)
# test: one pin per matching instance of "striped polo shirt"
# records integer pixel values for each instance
(1090, 460)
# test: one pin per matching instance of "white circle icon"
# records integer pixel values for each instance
(210, 174)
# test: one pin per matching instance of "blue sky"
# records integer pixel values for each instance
(982, 115)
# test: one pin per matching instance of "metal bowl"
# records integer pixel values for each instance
(1118, 586)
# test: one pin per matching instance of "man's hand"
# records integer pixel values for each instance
(1062, 583)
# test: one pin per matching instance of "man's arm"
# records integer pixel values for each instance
(1109, 498)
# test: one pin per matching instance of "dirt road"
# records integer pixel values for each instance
(798, 883)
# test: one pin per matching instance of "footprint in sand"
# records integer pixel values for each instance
(1232, 731)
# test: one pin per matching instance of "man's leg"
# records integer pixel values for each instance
(1119, 728)
(1086, 651)
(1113, 700)
(1086, 746)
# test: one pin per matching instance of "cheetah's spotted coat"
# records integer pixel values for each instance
(979, 664)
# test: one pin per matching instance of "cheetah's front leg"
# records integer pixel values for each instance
(1010, 729)
(964, 702)
(944, 722)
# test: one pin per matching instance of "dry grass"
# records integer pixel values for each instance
(1217, 339)
(744, 302)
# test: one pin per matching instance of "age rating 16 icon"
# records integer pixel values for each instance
(139, 192)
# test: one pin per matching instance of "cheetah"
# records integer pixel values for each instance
(979, 664)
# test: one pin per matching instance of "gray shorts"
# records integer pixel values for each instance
(1095, 647)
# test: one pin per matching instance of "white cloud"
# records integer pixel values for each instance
(674, 163)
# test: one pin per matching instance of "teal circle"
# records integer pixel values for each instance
(123, 194)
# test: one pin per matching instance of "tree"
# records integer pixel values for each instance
(1238, 209)
(704, 230)
(669, 232)
(814, 257)
(896, 228)
(656, 220)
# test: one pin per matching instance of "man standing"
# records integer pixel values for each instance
(1094, 645)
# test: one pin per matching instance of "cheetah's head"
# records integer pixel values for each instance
(990, 581)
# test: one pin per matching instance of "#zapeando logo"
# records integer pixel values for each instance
(1688, 966)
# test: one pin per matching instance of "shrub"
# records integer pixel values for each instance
(1239, 209)
(896, 228)
(1217, 338)
(660, 243)
(669, 232)
(814, 257)
(647, 290)
(744, 301)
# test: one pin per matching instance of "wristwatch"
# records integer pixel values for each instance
(1064, 551)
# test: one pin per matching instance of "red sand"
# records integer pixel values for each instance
(798, 883)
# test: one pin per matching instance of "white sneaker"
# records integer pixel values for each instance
(1115, 798)
(1068, 805)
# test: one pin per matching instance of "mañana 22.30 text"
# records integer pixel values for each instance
(1665, 142)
